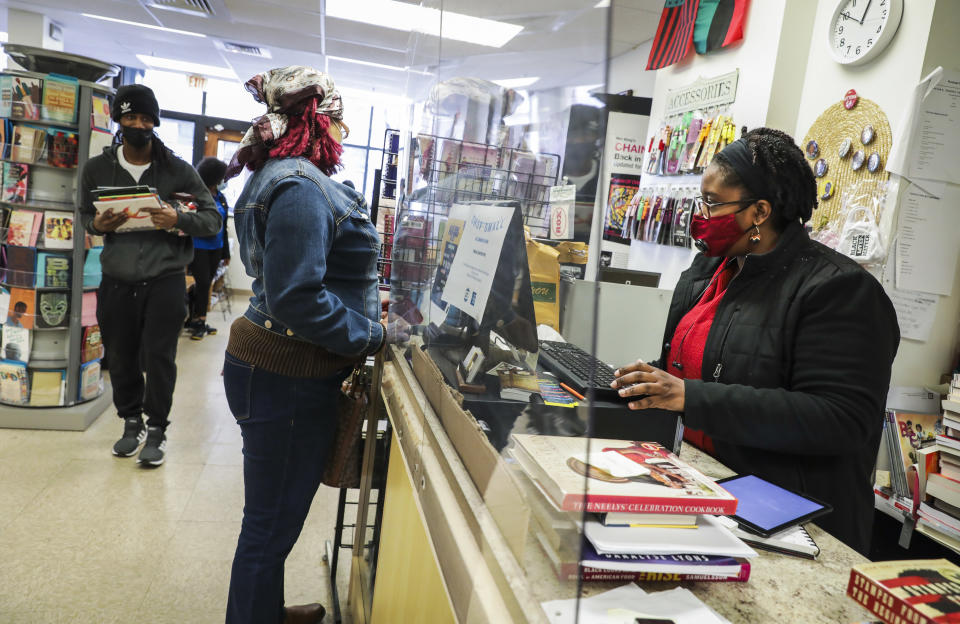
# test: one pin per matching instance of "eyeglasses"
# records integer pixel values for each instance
(703, 207)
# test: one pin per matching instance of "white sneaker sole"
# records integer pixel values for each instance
(140, 440)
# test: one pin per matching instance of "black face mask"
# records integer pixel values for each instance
(136, 137)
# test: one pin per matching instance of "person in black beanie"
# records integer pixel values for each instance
(140, 305)
(208, 251)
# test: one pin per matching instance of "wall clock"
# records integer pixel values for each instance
(861, 29)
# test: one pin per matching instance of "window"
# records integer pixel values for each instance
(177, 134)
(230, 100)
(173, 93)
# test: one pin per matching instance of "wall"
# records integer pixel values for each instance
(927, 37)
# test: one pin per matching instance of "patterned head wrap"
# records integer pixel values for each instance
(284, 90)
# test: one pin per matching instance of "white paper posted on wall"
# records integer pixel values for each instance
(927, 248)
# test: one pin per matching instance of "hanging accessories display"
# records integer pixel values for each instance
(838, 132)
(873, 163)
(844, 148)
(820, 168)
(813, 149)
(755, 237)
(857, 161)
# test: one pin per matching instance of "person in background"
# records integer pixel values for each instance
(777, 349)
(308, 243)
(140, 304)
(208, 251)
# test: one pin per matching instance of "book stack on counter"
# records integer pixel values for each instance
(650, 516)
(920, 591)
(905, 435)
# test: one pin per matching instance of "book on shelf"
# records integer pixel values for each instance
(26, 97)
(16, 344)
(793, 541)
(23, 307)
(57, 229)
(21, 266)
(618, 476)
(6, 95)
(517, 384)
(59, 101)
(99, 139)
(914, 430)
(46, 387)
(100, 113)
(28, 143)
(950, 466)
(54, 309)
(928, 462)
(710, 537)
(944, 488)
(92, 272)
(6, 132)
(88, 308)
(14, 382)
(50, 348)
(92, 345)
(53, 270)
(15, 179)
(917, 591)
(91, 381)
(63, 148)
(20, 227)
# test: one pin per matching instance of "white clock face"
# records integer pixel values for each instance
(860, 29)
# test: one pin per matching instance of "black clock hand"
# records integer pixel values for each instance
(864, 16)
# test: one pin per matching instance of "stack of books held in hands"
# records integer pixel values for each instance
(650, 516)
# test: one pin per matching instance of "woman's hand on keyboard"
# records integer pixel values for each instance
(661, 389)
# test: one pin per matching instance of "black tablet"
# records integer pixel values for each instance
(764, 508)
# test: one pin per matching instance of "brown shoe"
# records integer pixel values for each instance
(304, 614)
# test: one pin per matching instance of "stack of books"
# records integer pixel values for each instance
(650, 516)
(908, 592)
(905, 435)
(938, 476)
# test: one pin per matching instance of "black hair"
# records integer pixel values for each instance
(211, 170)
(789, 177)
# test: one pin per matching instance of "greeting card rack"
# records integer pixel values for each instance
(50, 304)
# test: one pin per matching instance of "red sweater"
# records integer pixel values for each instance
(690, 337)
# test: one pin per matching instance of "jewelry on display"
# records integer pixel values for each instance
(858, 158)
(873, 163)
(820, 168)
(813, 150)
(826, 189)
(866, 137)
(844, 148)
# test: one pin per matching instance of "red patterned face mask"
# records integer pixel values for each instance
(714, 237)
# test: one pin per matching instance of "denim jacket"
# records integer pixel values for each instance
(311, 248)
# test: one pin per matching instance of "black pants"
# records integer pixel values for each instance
(203, 268)
(147, 317)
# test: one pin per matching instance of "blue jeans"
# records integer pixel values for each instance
(287, 425)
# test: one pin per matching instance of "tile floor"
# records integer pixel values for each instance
(86, 537)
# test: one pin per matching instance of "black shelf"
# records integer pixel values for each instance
(44, 122)
(39, 164)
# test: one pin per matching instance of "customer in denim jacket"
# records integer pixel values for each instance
(310, 246)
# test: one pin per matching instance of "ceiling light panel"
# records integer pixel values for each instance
(412, 18)
(158, 62)
(150, 26)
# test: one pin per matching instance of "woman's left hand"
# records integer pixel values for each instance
(663, 390)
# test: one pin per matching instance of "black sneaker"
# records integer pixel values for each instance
(198, 331)
(152, 453)
(210, 330)
(133, 436)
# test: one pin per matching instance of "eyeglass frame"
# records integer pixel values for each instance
(699, 202)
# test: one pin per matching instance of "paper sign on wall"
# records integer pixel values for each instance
(927, 249)
(562, 203)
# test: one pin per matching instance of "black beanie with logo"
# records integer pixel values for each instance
(135, 98)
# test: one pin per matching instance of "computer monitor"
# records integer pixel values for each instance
(628, 277)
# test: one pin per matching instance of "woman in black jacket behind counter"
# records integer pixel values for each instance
(777, 349)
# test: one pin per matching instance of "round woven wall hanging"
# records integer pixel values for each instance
(840, 131)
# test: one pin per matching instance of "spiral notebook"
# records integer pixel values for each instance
(793, 541)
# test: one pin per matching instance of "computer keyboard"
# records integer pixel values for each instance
(572, 365)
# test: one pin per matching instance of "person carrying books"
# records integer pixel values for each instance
(311, 249)
(777, 349)
(208, 251)
(140, 304)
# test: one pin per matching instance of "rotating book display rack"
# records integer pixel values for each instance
(50, 354)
